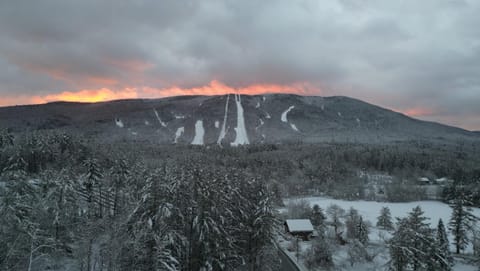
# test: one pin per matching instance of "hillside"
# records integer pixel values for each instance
(273, 118)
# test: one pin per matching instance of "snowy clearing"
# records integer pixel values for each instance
(241, 137)
(199, 133)
(370, 210)
(178, 134)
(119, 123)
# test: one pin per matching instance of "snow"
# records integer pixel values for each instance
(159, 119)
(264, 98)
(260, 125)
(134, 133)
(179, 116)
(299, 225)
(267, 115)
(285, 119)
(119, 123)
(178, 134)
(147, 122)
(217, 124)
(370, 210)
(241, 137)
(339, 114)
(258, 105)
(284, 114)
(199, 133)
(223, 130)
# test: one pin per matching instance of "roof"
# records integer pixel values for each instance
(299, 225)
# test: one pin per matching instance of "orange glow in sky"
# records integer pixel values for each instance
(107, 94)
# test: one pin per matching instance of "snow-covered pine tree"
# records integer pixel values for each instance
(362, 231)
(444, 258)
(411, 244)
(384, 221)
(461, 222)
(318, 219)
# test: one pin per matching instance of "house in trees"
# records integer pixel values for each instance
(302, 228)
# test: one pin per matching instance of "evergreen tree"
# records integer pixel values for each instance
(412, 244)
(317, 217)
(362, 231)
(384, 221)
(443, 256)
(461, 223)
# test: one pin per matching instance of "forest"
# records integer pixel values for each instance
(73, 203)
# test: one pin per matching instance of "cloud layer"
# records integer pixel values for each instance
(418, 57)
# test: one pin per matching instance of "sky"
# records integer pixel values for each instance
(421, 58)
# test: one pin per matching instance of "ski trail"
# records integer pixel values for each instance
(158, 118)
(222, 131)
(178, 134)
(199, 133)
(241, 136)
(119, 123)
(284, 114)
(284, 118)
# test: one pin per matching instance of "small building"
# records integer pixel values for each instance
(302, 228)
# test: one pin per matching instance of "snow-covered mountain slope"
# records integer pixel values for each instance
(231, 120)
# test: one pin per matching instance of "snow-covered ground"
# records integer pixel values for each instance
(223, 130)
(241, 137)
(119, 123)
(178, 134)
(158, 118)
(199, 133)
(284, 117)
(370, 210)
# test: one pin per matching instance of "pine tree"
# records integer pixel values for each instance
(443, 256)
(412, 242)
(461, 223)
(362, 231)
(385, 219)
(317, 218)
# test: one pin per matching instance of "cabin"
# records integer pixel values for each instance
(302, 228)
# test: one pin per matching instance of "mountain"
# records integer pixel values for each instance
(231, 119)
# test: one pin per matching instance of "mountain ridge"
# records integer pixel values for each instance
(269, 118)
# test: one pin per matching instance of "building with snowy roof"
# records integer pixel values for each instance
(302, 228)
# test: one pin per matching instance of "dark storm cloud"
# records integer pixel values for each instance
(399, 54)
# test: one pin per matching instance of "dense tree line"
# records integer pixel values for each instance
(94, 207)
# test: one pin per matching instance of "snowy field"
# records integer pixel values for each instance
(370, 210)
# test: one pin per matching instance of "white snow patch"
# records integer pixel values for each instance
(199, 133)
(134, 133)
(223, 130)
(264, 98)
(260, 125)
(299, 225)
(178, 134)
(358, 120)
(268, 116)
(339, 114)
(284, 118)
(119, 123)
(257, 105)
(241, 136)
(159, 119)
(179, 116)
(217, 124)
(147, 122)
(284, 114)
